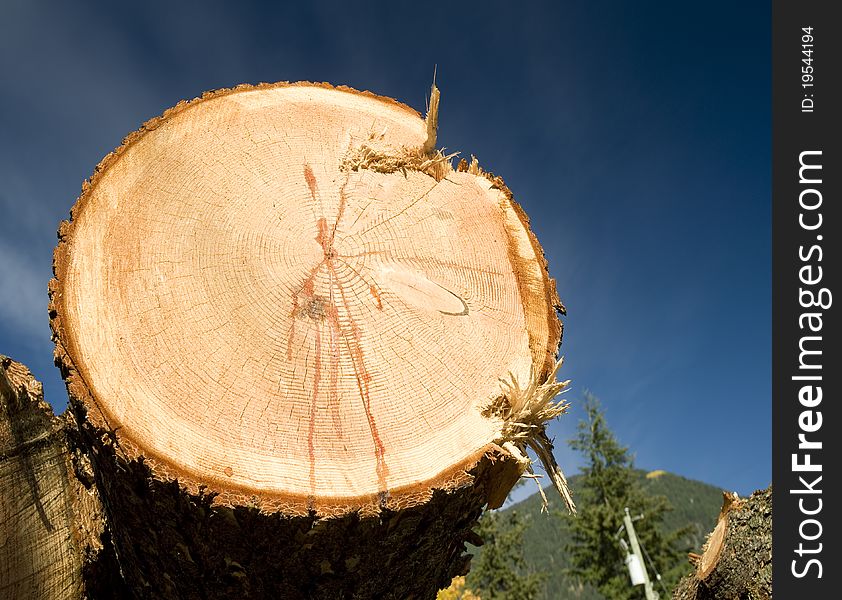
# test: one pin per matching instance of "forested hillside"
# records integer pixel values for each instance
(694, 503)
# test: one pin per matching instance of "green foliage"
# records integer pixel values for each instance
(500, 572)
(547, 536)
(607, 485)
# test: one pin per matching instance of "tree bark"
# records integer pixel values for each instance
(302, 351)
(53, 541)
(737, 559)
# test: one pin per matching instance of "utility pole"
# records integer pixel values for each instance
(651, 594)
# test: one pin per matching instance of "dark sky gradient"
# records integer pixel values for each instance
(636, 135)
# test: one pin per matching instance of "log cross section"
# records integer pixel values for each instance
(252, 315)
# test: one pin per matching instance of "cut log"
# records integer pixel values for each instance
(53, 541)
(303, 351)
(737, 559)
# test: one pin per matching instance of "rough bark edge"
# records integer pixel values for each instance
(86, 405)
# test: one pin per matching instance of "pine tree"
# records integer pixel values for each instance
(608, 484)
(500, 571)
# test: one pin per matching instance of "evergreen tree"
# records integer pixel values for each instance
(608, 484)
(500, 571)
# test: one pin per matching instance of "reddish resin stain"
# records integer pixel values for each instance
(332, 315)
(353, 343)
(376, 295)
(310, 179)
(322, 237)
(323, 312)
(312, 430)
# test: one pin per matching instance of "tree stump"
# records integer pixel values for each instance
(736, 562)
(283, 320)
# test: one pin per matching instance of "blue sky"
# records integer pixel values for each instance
(635, 135)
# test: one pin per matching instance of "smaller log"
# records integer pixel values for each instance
(53, 540)
(736, 562)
